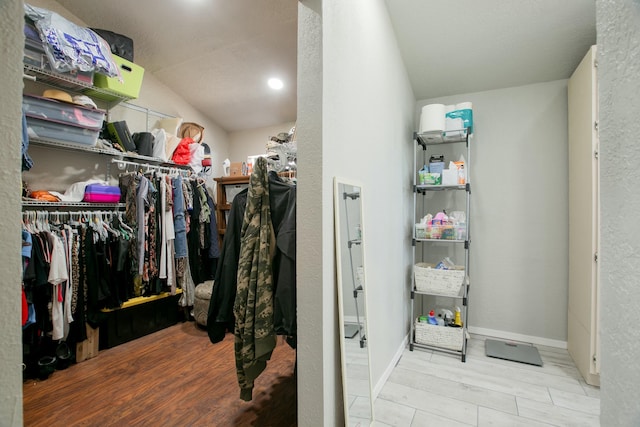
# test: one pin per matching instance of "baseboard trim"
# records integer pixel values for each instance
(352, 319)
(518, 337)
(387, 373)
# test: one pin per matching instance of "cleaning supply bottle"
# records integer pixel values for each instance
(422, 175)
(457, 320)
(432, 318)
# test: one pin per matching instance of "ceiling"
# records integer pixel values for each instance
(218, 54)
(451, 47)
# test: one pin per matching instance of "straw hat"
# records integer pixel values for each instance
(60, 95)
(191, 130)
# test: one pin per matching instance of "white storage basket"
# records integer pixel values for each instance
(439, 336)
(438, 282)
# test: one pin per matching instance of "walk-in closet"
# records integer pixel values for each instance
(255, 226)
(145, 273)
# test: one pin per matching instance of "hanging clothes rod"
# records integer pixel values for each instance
(122, 164)
(43, 219)
(145, 110)
(33, 214)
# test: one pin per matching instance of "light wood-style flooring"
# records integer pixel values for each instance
(174, 377)
(435, 389)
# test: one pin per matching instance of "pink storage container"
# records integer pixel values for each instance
(98, 193)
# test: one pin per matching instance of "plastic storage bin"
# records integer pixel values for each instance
(34, 54)
(132, 75)
(50, 109)
(98, 193)
(61, 132)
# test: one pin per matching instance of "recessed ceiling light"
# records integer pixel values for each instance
(275, 84)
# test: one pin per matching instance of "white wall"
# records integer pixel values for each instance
(367, 128)
(519, 210)
(156, 96)
(250, 142)
(367, 112)
(11, 42)
(618, 25)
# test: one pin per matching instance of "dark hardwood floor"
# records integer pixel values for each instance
(174, 377)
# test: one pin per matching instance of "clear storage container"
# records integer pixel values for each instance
(61, 132)
(63, 112)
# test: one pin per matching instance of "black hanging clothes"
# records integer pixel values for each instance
(283, 216)
(220, 317)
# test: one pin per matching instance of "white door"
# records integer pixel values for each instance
(583, 310)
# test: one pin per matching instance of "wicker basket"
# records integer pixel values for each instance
(439, 336)
(438, 282)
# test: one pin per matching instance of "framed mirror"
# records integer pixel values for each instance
(352, 303)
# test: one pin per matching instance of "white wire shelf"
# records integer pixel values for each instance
(439, 137)
(67, 82)
(27, 203)
(113, 153)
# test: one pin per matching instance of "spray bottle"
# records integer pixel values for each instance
(457, 321)
(432, 318)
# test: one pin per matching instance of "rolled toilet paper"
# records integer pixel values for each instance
(432, 118)
(465, 110)
(450, 122)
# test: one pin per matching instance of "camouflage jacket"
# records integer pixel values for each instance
(254, 333)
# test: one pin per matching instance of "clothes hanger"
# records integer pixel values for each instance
(98, 226)
(110, 229)
(31, 222)
(73, 222)
(37, 222)
(26, 223)
(123, 225)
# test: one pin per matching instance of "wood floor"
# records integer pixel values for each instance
(174, 377)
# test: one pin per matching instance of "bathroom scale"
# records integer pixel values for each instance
(350, 331)
(522, 353)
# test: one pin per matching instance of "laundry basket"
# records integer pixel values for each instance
(439, 336)
(438, 282)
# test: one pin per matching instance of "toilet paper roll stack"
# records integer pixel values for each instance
(432, 119)
(466, 113)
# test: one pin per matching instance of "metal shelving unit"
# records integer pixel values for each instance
(425, 142)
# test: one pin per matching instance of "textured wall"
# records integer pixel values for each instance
(618, 26)
(11, 42)
(317, 384)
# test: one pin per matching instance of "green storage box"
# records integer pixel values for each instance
(130, 86)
